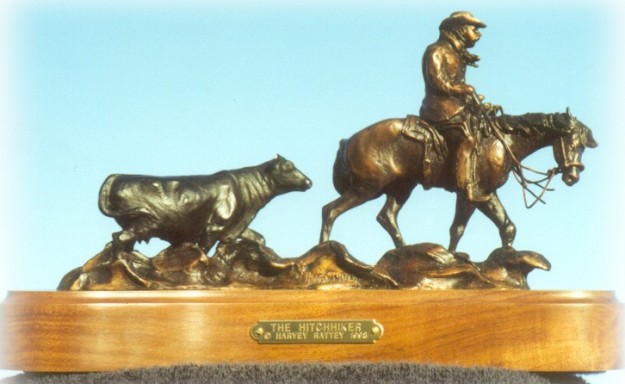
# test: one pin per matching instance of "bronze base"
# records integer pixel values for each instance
(566, 331)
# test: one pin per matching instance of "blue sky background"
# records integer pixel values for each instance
(117, 87)
(169, 90)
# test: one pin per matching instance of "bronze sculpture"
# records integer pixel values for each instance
(195, 209)
(458, 143)
(389, 158)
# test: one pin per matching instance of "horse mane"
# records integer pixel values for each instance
(531, 124)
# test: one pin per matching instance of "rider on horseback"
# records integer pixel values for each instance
(450, 103)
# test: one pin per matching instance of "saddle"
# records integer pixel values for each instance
(417, 129)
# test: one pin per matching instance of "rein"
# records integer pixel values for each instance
(518, 167)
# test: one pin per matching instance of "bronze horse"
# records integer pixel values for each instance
(381, 160)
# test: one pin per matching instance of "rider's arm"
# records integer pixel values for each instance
(435, 63)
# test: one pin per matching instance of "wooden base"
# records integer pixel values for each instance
(571, 331)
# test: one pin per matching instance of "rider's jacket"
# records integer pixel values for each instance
(443, 71)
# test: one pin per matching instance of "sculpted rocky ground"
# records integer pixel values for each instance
(245, 264)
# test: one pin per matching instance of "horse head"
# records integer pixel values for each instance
(569, 147)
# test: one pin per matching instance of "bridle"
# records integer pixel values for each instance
(568, 163)
(518, 167)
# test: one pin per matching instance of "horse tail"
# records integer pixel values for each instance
(342, 176)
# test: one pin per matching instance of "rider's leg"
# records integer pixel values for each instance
(466, 177)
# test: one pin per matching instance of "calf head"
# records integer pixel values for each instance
(285, 177)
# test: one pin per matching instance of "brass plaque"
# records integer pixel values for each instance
(316, 331)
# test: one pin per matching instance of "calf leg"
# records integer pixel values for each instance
(252, 235)
(134, 229)
(124, 241)
(495, 211)
(207, 241)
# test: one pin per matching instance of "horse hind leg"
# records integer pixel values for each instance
(335, 208)
(388, 217)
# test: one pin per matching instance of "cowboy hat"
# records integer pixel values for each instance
(460, 18)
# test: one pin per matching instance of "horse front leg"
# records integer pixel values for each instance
(494, 210)
(464, 210)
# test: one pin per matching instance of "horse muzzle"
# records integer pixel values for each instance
(571, 175)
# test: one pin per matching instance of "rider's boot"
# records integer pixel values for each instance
(474, 194)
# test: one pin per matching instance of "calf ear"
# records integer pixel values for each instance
(269, 166)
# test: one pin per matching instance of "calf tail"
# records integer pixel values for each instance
(342, 175)
(104, 201)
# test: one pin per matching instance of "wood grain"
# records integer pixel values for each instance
(570, 331)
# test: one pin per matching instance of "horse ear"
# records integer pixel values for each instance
(590, 140)
(568, 112)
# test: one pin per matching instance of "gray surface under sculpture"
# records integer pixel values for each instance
(361, 373)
